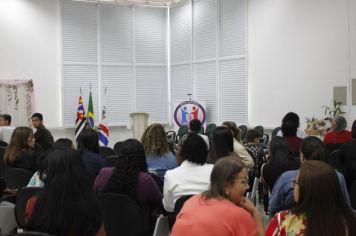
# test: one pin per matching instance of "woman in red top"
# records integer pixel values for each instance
(320, 207)
(338, 134)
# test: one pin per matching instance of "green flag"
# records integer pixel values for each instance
(90, 113)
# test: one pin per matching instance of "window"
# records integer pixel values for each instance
(119, 53)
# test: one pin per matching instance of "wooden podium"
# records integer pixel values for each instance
(139, 123)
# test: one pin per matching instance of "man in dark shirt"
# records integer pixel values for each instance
(42, 135)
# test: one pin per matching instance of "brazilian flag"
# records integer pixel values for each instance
(90, 114)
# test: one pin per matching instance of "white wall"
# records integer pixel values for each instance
(298, 50)
(30, 49)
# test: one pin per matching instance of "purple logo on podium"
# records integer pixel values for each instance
(187, 111)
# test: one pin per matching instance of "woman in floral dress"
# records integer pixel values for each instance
(320, 206)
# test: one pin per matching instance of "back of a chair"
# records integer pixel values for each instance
(252, 195)
(106, 151)
(275, 131)
(17, 178)
(259, 129)
(183, 130)
(243, 129)
(171, 136)
(161, 227)
(22, 197)
(7, 219)
(210, 129)
(121, 215)
(111, 160)
(177, 207)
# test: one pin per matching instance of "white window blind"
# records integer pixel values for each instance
(119, 98)
(122, 49)
(233, 91)
(219, 57)
(80, 70)
(117, 75)
(205, 56)
(76, 78)
(205, 85)
(181, 34)
(204, 29)
(181, 53)
(181, 82)
(151, 62)
(232, 61)
(151, 90)
(150, 35)
(116, 25)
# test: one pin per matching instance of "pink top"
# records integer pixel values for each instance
(213, 217)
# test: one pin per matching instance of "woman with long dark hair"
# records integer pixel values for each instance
(67, 204)
(222, 144)
(320, 206)
(22, 151)
(280, 160)
(88, 147)
(130, 177)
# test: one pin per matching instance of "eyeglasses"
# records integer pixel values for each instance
(243, 181)
(294, 182)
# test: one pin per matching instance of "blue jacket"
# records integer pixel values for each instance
(282, 194)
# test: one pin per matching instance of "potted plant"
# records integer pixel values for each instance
(333, 110)
(314, 126)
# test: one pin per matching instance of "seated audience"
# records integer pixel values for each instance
(192, 176)
(39, 176)
(320, 207)
(88, 147)
(239, 149)
(312, 148)
(159, 157)
(257, 153)
(294, 118)
(130, 176)
(67, 204)
(195, 127)
(337, 135)
(223, 209)
(348, 157)
(42, 135)
(22, 151)
(280, 161)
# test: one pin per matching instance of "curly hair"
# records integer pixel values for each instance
(155, 141)
(125, 174)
